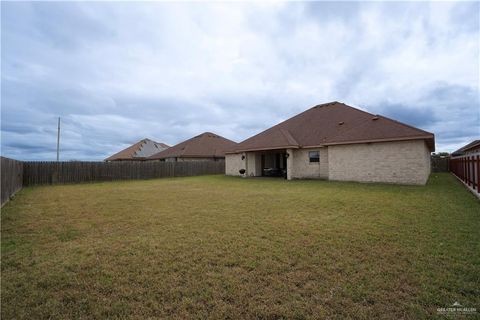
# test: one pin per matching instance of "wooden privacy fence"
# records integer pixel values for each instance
(16, 174)
(467, 169)
(36, 172)
(440, 164)
(12, 178)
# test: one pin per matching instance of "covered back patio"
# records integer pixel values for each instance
(267, 163)
(288, 163)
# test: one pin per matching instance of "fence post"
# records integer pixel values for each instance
(468, 169)
(478, 173)
(471, 171)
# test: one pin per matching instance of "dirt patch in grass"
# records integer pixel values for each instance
(222, 247)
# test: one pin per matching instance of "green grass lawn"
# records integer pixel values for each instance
(221, 247)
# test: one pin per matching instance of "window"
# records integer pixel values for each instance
(314, 156)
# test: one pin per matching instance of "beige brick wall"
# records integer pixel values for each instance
(252, 164)
(302, 168)
(403, 162)
(233, 163)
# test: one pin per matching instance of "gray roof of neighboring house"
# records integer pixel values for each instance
(139, 151)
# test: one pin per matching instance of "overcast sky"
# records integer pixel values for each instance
(118, 72)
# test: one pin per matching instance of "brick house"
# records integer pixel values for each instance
(206, 146)
(138, 151)
(472, 147)
(336, 142)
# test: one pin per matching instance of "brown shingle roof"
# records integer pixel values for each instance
(471, 145)
(205, 145)
(131, 153)
(332, 123)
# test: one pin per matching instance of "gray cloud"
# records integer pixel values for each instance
(410, 115)
(452, 112)
(117, 72)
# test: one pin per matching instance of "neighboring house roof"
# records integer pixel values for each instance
(472, 145)
(329, 124)
(205, 145)
(139, 151)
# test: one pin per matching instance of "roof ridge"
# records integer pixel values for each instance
(141, 143)
(357, 109)
(324, 104)
(289, 137)
(187, 147)
(387, 118)
(318, 125)
(404, 124)
(292, 117)
(379, 115)
(130, 150)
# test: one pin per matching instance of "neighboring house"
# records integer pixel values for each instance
(337, 142)
(139, 151)
(206, 146)
(465, 165)
(472, 147)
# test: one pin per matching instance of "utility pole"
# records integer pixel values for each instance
(58, 140)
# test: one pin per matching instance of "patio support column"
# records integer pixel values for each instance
(246, 164)
(289, 164)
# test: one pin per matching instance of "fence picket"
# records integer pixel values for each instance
(12, 178)
(467, 169)
(37, 173)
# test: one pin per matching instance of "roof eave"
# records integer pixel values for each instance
(470, 147)
(430, 141)
(187, 156)
(262, 149)
(422, 137)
